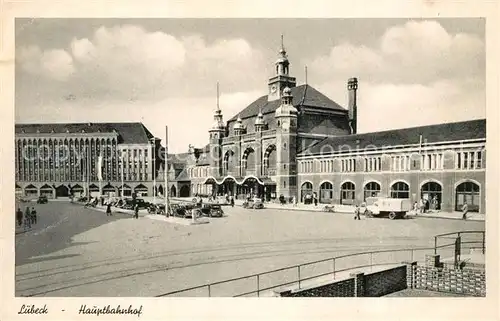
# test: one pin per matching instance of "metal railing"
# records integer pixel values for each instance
(300, 275)
(465, 239)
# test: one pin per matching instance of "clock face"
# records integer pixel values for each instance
(273, 89)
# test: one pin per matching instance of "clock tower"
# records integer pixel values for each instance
(281, 79)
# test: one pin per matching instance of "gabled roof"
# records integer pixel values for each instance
(303, 95)
(129, 133)
(183, 175)
(473, 129)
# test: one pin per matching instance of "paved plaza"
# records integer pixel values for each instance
(74, 251)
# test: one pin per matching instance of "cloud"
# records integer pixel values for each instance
(55, 64)
(127, 62)
(416, 74)
(416, 52)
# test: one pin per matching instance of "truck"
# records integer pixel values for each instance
(392, 208)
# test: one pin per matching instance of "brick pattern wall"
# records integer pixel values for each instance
(444, 279)
(343, 288)
(385, 282)
(358, 285)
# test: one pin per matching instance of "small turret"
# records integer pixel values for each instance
(238, 128)
(286, 108)
(259, 122)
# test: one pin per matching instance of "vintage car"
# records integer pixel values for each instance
(386, 207)
(156, 209)
(253, 203)
(212, 210)
(42, 200)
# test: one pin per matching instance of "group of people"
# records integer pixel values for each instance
(29, 218)
(425, 204)
(110, 213)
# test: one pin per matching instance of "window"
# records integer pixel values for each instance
(326, 192)
(469, 160)
(400, 190)
(373, 164)
(371, 189)
(348, 165)
(347, 193)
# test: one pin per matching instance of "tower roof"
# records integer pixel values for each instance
(303, 95)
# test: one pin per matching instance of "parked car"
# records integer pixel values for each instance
(386, 207)
(156, 208)
(42, 199)
(142, 204)
(253, 203)
(212, 210)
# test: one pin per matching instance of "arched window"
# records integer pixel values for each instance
(400, 190)
(306, 191)
(371, 189)
(326, 192)
(431, 193)
(347, 193)
(467, 193)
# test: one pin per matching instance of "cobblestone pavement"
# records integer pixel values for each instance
(86, 253)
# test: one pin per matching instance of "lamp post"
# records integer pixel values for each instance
(153, 156)
(122, 168)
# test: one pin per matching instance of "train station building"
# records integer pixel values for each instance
(297, 142)
(294, 141)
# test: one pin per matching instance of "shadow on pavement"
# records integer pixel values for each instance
(49, 258)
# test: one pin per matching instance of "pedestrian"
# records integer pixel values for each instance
(465, 209)
(356, 213)
(422, 206)
(33, 216)
(294, 201)
(19, 216)
(415, 207)
(27, 219)
(232, 201)
(315, 200)
(136, 211)
(108, 209)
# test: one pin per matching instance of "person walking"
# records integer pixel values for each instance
(315, 200)
(232, 201)
(108, 209)
(27, 219)
(294, 201)
(136, 211)
(19, 217)
(33, 216)
(465, 209)
(357, 213)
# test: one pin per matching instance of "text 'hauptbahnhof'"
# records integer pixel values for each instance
(294, 142)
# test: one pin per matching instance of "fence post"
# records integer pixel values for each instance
(484, 243)
(298, 269)
(209, 294)
(333, 263)
(258, 287)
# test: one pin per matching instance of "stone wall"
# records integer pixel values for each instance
(358, 285)
(435, 276)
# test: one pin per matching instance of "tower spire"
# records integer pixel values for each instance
(218, 108)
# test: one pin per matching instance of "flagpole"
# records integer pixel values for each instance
(122, 168)
(167, 190)
(153, 154)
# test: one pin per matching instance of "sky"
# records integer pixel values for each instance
(165, 71)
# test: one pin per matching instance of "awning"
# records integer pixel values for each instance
(238, 180)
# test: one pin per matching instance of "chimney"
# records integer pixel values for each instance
(352, 87)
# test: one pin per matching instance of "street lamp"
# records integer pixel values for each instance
(153, 155)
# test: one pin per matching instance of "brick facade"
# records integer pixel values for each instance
(433, 276)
